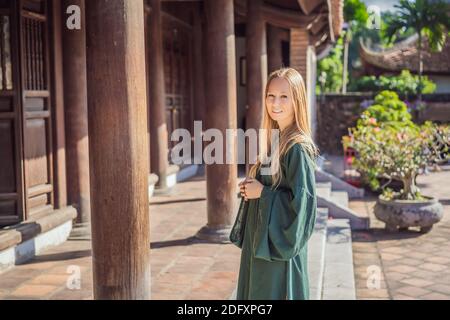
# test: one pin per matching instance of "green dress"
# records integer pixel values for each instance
(275, 232)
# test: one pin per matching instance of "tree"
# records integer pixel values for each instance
(330, 70)
(400, 35)
(427, 18)
(355, 10)
(355, 16)
(390, 145)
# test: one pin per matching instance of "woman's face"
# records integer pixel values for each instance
(279, 102)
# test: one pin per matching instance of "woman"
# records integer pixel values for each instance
(278, 210)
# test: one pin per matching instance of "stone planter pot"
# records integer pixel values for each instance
(409, 213)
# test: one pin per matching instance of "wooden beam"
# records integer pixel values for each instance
(318, 39)
(323, 49)
(308, 6)
(283, 18)
(118, 149)
(319, 25)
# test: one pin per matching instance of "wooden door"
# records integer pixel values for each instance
(177, 39)
(36, 106)
(11, 192)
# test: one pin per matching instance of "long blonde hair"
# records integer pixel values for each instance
(298, 132)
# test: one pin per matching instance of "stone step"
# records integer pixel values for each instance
(22, 242)
(338, 281)
(339, 184)
(358, 220)
(323, 189)
(337, 200)
(340, 197)
(316, 254)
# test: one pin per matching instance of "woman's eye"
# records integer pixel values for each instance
(283, 97)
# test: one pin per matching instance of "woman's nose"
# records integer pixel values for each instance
(275, 101)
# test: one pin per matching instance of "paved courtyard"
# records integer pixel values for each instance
(182, 268)
(410, 265)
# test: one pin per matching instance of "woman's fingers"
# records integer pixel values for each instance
(242, 190)
(246, 187)
(245, 181)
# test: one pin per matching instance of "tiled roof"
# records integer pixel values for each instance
(405, 56)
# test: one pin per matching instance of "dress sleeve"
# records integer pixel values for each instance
(286, 217)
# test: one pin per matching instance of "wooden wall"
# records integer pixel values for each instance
(26, 162)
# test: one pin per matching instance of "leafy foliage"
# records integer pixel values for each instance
(426, 17)
(389, 145)
(355, 10)
(330, 69)
(405, 84)
(388, 109)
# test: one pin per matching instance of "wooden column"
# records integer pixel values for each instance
(157, 97)
(118, 149)
(76, 119)
(256, 53)
(311, 82)
(303, 58)
(221, 114)
(59, 142)
(275, 55)
(199, 87)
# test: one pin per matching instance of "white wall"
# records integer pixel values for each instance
(442, 83)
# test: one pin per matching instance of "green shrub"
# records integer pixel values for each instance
(404, 84)
(387, 108)
(389, 145)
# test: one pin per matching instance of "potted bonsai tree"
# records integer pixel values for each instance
(398, 150)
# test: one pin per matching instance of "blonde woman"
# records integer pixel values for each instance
(278, 210)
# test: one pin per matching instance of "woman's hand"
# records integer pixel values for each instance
(251, 189)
